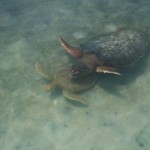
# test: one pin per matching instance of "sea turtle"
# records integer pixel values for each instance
(108, 53)
(69, 85)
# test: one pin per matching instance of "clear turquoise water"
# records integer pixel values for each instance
(118, 115)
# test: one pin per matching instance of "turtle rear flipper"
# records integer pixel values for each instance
(71, 96)
(40, 68)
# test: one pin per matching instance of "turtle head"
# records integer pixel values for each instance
(76, 53)
(77, 71)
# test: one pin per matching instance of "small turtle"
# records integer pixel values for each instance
(110, 52)
(69, 85)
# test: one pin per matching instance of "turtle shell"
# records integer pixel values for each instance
(118, 49)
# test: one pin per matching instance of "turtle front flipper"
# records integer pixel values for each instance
(76, 53)
(40, 68)
(71, 96)
(106, 69)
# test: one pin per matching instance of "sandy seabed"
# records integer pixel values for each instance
(117, 117)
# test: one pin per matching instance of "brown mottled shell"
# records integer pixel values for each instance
(118, 49)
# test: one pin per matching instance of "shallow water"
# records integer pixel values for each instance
(117, 116)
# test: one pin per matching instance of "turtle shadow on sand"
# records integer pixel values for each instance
(69, 86)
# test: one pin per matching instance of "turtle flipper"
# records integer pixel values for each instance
(50, 86)
(71, 96)
(40, 68)
(76, 53)
(106, 69)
